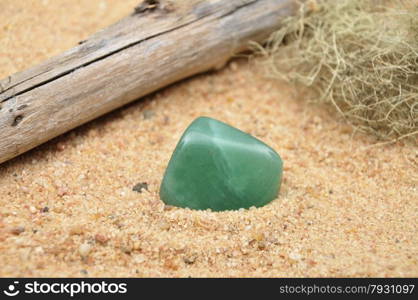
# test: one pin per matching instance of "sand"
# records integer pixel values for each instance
(68, 207)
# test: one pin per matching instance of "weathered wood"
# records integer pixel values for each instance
(154, 47)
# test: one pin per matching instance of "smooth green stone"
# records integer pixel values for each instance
(220, 167)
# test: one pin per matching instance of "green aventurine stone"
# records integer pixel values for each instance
(220, 167)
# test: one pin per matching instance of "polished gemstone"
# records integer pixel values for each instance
(219, 167)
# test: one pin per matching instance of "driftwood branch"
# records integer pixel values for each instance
(160, 43)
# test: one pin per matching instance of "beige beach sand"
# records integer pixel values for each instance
(68, 208)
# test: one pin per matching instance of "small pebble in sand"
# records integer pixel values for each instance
(77, 230)
(17, 230)
(101, 239)
(126, 248)
(139, 258)
(84, 249)
(295, 255)
(189, 259)
(168, 207)
(140, 186)
(39, 250)
(60, 146)
(33, 209)
(148, 114)
(261, 245)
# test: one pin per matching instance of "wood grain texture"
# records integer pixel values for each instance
(150, 49)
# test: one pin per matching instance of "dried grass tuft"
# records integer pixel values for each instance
(358, 55)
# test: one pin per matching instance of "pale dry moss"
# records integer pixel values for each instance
(358, 55)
